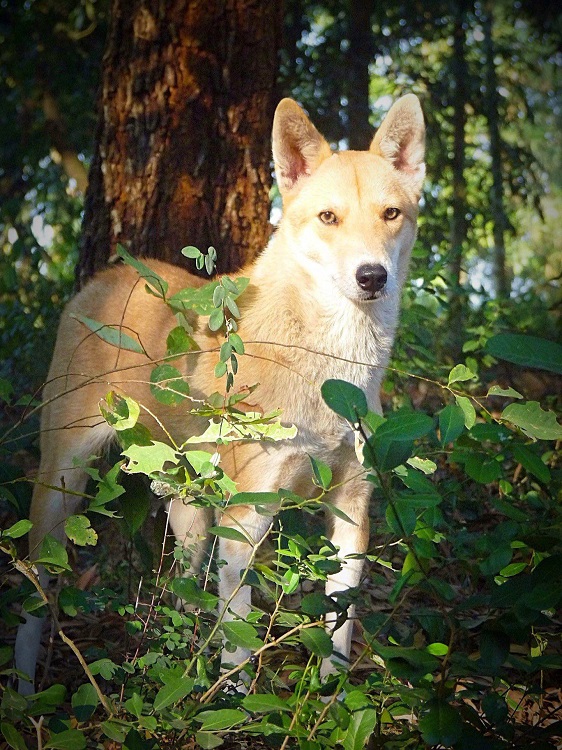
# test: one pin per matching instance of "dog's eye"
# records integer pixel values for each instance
(391, 213)
(328, 217)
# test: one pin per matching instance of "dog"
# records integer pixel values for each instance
(323, 302)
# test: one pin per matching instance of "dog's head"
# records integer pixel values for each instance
(352, 214)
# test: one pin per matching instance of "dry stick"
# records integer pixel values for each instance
(206, 697)
(27, 569)
(38, 726)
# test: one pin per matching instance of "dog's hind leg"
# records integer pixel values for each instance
(190, 526)
(57, 494)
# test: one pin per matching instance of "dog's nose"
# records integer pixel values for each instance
(371, 278)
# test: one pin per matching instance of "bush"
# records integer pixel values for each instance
(458, 612)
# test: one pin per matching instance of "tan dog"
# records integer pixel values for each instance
(329, 281)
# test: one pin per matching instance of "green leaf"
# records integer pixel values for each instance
(401, 519)
(53, 555)
(188, 591)
(468, 410)
(241, 633)
(227, 532)
(426, 465)
(392, 442)
(317, 641)
(121, 412)
(168, 385)
(105, 667)
(236, 343)
(136, 508)
(482, 468)
(390, 453)
(404, 426)
(317, 604)
(263, 703)
(360, 729)
(534, 422)
(135, 705)
(494, 649)
(115, 730)
(442, 725)
(175, 689)
(254, 498)
(241, 284)
(191, 251)
(321, 472)
(70, 739)
(84, 702)
(222, 719)
(179, 342)
(147, 274)
(208, 740)
(230, 286)
(532, 463)
(17, 529)
(6, 391)
(199, 299)
(110, 334)
(345, 399)
(233, 307)
(216, 320)
(451, 423)
(437, 649)
(529, 351)
(149, 459)
(460, 373)
(12, 736)
(495, 390)
(218, 295)
(79, 530)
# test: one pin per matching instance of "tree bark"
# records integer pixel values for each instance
(499, 219)
(360, 55)
(458, 219)
(182, 147)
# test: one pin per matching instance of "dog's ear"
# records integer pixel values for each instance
(298, 148)
(401, 138)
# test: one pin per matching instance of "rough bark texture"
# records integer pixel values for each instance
(499, 218)
(183, 143)
(458, 219)
(361, 53)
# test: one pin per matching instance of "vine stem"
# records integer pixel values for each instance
(27, 569)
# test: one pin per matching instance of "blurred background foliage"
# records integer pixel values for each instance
(489, 254)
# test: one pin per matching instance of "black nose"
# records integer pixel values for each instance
(371, 278)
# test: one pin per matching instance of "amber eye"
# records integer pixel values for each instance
(391, 213)
(328, 217)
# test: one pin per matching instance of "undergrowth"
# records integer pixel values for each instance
(457, 638)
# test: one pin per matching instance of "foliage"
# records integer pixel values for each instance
(466, 553)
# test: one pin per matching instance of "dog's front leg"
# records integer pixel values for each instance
(351, 539)
(237, 556)
(257, 467)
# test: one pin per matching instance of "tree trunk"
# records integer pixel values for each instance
(499, 219)
(182, 147)
(360, 55)
(458, 221)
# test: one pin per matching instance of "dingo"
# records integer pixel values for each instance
(329, 281)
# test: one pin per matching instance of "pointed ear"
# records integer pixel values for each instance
(298, 148)
(401, 138)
